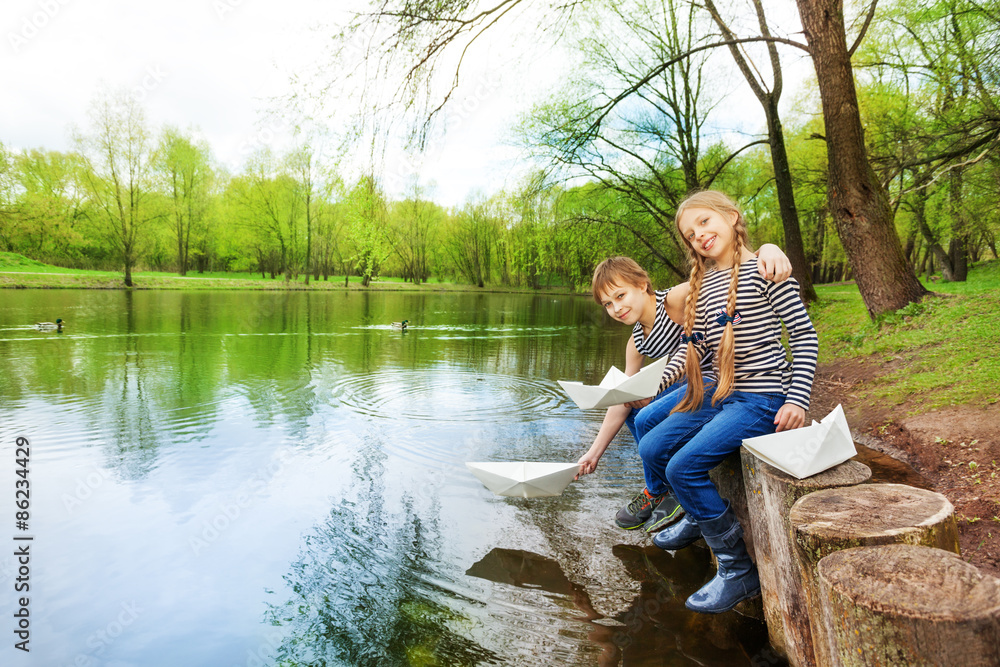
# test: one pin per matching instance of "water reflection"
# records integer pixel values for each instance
(371, 591)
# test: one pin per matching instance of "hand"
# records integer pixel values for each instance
(588, 464)
(773, 264)
(640, 404)
(789, 417)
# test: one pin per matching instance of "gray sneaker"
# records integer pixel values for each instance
(665, 513)
(638, 511)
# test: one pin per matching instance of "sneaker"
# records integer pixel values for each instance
(638, 511)
(665, 513)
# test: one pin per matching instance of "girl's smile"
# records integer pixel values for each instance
(710, 234)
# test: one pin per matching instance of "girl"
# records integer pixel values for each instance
(733, 315)
(623, 288)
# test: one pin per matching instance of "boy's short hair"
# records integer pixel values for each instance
(618, 271)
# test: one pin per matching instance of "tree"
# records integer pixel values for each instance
(647, 152)
(366, 214)
(472, 242)
(858, 201)
(269, 198)
(302, 166)
(769, 98)
(119, 157)
(938, 58)
(186, 169)
(413, 224)
(420, 33)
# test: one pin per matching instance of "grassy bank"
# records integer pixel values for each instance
(936, 353)
(19, 272)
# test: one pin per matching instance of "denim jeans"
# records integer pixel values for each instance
(640, 421)
(693, 443)
(654, 451)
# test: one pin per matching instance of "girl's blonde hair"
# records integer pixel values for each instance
(616, 271)
(724, 206)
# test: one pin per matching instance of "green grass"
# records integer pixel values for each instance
(933, 354)
(17, 271)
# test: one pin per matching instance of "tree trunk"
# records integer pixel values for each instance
(770, 495)
(857, 201)
(794, 247)
(872, 514)
(933, 247)
(901, 604)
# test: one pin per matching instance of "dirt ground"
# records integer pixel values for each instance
(955, 451)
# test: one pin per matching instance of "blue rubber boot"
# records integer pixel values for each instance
(679, 535)
(737, 578)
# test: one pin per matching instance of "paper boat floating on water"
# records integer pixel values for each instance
(616, 387)
(808, 451)
(525, 479)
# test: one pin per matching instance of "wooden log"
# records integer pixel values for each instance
(770, 495)
(901, 604)
(873, 514)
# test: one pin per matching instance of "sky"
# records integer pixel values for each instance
(216, 67)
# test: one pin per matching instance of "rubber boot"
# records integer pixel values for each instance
(736, 579)
(679, 535)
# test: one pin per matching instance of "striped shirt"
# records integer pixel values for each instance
(664, 337)
(760, 362)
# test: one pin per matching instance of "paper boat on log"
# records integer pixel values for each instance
(525, 479)
(807, 451)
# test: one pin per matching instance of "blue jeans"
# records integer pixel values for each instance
(655, 451)
(693, 443)
(640, 421)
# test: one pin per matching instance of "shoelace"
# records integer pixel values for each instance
(638, 502)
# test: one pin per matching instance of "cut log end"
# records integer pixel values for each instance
(848, 473)
(870, 511)
(912, 582)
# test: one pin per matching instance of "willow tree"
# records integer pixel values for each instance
(119, 158)
(649, 152)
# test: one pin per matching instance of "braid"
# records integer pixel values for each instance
(726, 350)
(692, 366)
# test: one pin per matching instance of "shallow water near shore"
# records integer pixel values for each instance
(255, 478)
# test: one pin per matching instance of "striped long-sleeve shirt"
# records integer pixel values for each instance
(760, 362)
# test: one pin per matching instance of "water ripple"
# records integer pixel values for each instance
(452, 396)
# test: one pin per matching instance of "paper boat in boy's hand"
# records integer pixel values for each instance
(807, 451)
(616, 387)
(525, 479)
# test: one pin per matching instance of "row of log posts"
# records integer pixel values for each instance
(873, 514)
(770, 495)
(817, 614)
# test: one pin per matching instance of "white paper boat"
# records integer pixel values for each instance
(616, 387)
(807, 451)
(525, 479)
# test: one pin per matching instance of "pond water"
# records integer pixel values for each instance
(257, 478)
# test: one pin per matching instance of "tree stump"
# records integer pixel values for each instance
(874, 514)
(901, 604)
(770, 495)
